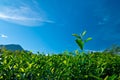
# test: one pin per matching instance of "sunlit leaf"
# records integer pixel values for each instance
(88, 39)
(21, 69)
(106, 78)
(83, 34)
(64, 62)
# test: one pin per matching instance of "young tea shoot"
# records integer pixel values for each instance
(80, 41)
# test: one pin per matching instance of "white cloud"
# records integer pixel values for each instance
(3, 36)
(23, 15)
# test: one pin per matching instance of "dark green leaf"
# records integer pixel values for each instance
(80, 43)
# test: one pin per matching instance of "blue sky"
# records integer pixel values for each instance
(48, 25)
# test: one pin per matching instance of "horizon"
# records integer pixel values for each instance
(47, 26)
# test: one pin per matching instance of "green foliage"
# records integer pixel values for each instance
(80, 41)
(22, 65)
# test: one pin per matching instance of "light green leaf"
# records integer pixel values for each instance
(64, 61)
(83, 34)
(76, 35)
(88, 39)
(106, 77)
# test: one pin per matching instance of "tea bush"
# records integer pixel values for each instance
(22, 65)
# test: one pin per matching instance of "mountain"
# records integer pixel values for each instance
(12, 47)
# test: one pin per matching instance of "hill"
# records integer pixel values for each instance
(12, 47)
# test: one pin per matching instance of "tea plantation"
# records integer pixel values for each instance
(22, 65)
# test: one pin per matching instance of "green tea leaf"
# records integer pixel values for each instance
(113, 77)
(76, 35)
(83, 34)
(106, 77)
(64, 61)
(88, 39)
(95, 77)
(80, 43)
